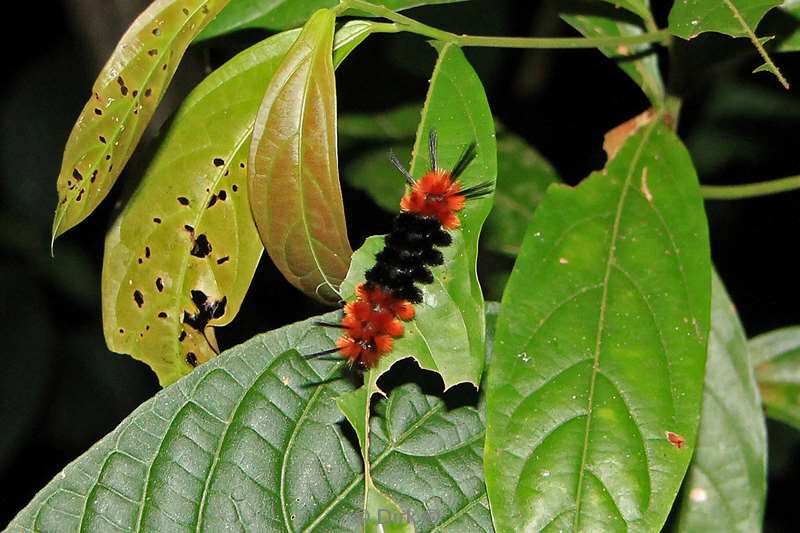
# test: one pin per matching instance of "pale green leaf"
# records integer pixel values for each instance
(612, 284)
(725, 488)
(776, 358)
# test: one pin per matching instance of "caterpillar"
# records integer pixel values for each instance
(387, 297)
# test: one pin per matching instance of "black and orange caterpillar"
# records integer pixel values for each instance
(386, 299)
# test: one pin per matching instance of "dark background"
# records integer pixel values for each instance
(60, 388)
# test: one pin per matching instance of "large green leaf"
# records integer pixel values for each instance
(776, 358)
(447, 335)
(726, 486)
(193, 199)
(284, 14)
(597, 372)
(640, 62)
(253, 440)
(737, 18)
(123, 100)
(295, 196)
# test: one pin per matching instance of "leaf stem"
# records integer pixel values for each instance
(750, 190)
(408, 24)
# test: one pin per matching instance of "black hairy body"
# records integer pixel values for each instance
(409, 251)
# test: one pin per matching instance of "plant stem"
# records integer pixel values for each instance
(408, 24)
(750, 190)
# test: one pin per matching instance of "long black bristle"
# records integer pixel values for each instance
(406, 174)
(432, 148)
(320, 354)
(329, 325)
(469, 153)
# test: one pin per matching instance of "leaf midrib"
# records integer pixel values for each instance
(601, 320)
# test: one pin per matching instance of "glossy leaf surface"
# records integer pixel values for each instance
(690, 18)
(776, 358)
(612, 283)
(295, 196)
(123, 99)
(725, 488)
(188, 226)
(253, 441)
(284, 14)
(447, 335)
(639, 62)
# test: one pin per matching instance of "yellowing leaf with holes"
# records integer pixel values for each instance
(595, 382)
(180, 257)
(295, 194)
(123, 100)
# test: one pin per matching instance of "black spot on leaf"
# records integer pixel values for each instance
(212, 200)
(201, 247)
(183, 200)
(162, 314)
(191, 358)
(222, 260)
(222, 195)
(138, 297)
(157, 220)
(218, 161)
(159, 285)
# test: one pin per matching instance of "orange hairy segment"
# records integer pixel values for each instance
(436, 194)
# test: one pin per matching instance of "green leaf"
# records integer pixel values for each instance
(295, 196)
(372, 173)
(791, 41)
(253, 440)
(637, 7)
(123, 100)
(447, 334)
(284, 14)
(612, 284)
(202, 161)
(523, 177)
(737, 18)
(776, 358)
(726, 485)
(639, 62)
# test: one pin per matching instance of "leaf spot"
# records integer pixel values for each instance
(138, 297)
(183, 200)
(218, 161)
(201, 247)
(160, 285)
(222, 260)
(191, 358)
(675, 439)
